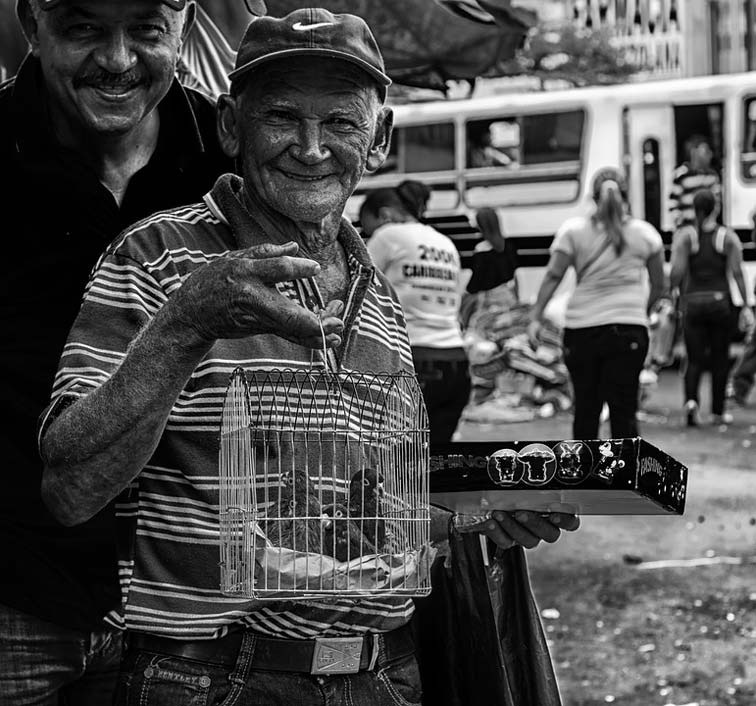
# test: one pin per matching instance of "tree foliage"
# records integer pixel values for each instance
(581, 57)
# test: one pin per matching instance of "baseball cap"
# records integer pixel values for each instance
(310, 32)
(175, 4)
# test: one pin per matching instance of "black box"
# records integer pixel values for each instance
(597, 477)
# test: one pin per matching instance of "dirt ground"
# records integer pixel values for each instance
(657, 610)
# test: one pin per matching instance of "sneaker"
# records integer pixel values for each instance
(719, 419)
(691, 413)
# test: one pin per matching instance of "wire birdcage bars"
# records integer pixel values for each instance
(323, 485)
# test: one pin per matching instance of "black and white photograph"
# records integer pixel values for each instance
(378, 352)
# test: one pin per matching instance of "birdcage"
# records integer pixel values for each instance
(323, 485)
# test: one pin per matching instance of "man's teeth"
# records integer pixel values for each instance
(305, 178)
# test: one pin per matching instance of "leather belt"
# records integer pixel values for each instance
(322, 655)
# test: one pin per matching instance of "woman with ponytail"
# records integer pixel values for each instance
(704, 257)
(619, 271)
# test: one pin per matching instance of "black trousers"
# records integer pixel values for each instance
(707, 329)
(604, 363)
(444, 377)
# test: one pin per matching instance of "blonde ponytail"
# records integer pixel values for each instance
(610, 212)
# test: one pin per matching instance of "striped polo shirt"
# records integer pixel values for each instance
(685, 183)
(169, 516)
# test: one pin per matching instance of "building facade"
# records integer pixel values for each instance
(671, 38)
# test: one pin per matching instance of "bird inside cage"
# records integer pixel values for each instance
(366, 494)
(342, 537)
(293, 520)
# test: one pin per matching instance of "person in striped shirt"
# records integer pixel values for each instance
(259, 274)
(694, 174)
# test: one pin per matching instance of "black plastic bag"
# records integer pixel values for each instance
(479, 635)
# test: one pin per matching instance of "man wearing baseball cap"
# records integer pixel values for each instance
(95, 133)
(265, 274)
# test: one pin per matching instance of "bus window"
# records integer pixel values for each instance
(539, 159)
(427, 148)
(493, 143)
(748, 151)
(420, 148)
(552, 137)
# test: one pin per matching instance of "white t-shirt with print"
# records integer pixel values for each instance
(423, 266)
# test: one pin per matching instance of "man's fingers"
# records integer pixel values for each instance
(265, 250)
(525, 527)
(493, 530)
(518, 530)
(302, 326)
(282, 269)
(565, 521)
(538, 525)
(333, 309)
(332, 340)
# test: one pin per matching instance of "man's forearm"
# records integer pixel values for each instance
(99, 444)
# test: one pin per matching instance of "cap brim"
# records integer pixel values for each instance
(379, 76)
(175, 4)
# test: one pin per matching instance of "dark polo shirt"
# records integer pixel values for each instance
(57, 218)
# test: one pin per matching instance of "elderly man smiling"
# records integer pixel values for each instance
(256, 275)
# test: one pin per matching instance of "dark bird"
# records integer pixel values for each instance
(366, 504)
(294, 519)
(342, 537)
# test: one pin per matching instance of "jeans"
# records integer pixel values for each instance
(707, 328)
(149, 679)
(445, 382)
(745, 368)
(44, 664)
(604, 363)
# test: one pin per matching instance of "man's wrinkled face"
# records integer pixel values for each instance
(307, 130)
(107, 64)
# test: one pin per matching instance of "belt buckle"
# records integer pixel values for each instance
(336, 655)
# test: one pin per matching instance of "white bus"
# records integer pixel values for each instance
(543, 149)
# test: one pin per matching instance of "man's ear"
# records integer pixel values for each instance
(191, 13)
(382, 141)
(28, 24)
(227, 124)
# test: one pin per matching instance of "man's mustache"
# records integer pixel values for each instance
(106, 78)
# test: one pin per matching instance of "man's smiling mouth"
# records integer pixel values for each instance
(304, 177)
(114, 91)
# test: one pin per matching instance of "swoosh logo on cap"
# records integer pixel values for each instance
(299, 27)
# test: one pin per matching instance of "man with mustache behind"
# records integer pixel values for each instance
(95, 134)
